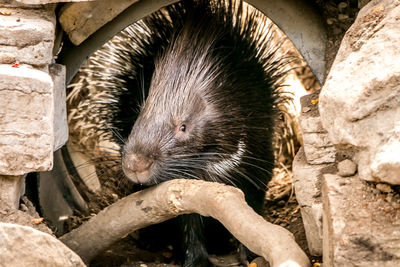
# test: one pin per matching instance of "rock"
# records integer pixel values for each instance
(11, 191)
(73, 17)
(25, 246)
(317, 147)
(57, 73)
(311, 125)
(360, 101)
(346, 168)
(307, 184)
(27, 36)
(386, 162)
(26, 128)
(358, 228)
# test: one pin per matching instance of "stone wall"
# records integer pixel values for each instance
(32, 95)
(351, 135)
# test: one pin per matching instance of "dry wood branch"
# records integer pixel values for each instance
(175, 197)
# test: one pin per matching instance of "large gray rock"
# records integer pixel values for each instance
(73, 17)
(25, 246)
(360, 227)
(360, 101)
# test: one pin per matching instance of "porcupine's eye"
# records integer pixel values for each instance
(182, 128)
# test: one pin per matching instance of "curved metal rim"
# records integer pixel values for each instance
(297, 19)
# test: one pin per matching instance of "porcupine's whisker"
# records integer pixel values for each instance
(189, 165)
(185, 172)
(96, 161)
(217, 154)
(227, 176)
(117, 134)
(194, 160)
(182, 172)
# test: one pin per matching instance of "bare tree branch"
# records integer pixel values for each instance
(176, 197)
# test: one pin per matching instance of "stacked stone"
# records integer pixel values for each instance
(32, 95)
(317, 156)
(33, 124)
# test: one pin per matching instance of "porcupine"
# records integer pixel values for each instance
(211, 78)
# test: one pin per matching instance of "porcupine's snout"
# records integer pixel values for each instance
(137, 167)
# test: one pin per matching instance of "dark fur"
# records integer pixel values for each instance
(218, 78)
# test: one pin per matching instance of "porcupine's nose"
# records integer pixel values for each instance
(137, 167)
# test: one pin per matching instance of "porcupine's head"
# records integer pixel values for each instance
(206, 102)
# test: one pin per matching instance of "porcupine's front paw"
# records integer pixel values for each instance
(194, 247)
(196, 256)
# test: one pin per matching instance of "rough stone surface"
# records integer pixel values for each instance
(25, 246)
(386, 163)
(360, 228)
(317, 146)
(73, 17)
(27, 36)
(360, 101)
(10, 191)
(307, 184)
(57, 73)
(26, 120)
(346, 168)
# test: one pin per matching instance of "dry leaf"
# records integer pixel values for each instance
(5, 13)
(314, 101)
(38, 220)
(379, 8)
